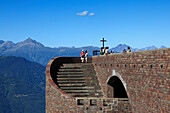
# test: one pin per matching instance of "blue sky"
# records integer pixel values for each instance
(138, 23)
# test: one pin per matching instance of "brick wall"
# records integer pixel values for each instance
(57, 101)
(145, 75)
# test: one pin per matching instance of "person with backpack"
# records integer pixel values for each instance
(124, 51)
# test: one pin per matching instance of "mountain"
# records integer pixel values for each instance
(162, 47)
(23, 70)
(7, 44)
(146, 48)
(119, 48)
(29, 42)
(22, 86)
(1, 41)
(37, 52)
(29, 49)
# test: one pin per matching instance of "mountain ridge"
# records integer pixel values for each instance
(29, 41)
(37, 52)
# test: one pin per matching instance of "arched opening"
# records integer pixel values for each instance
(115, 88)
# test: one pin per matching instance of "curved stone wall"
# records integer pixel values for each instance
(145, 74)
(57, 101)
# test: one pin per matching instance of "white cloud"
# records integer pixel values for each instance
(91, 14)
(82, 13)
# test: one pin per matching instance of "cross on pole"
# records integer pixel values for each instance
(103, 41)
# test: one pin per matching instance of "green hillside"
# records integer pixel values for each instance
(22, 69)
(22, 86)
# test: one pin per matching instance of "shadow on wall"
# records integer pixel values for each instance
(117, 88)
(59, 61)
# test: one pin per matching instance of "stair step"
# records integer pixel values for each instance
(79, 65)
(75, 64)
(82, 91)
(90, 83)
(96, 92)
(70, 70)
(76, 91)
(88, 78)
(71, 88)
(70, 85)
(63, 67)
(78, 78)
(71, 66)
(68, 73)
(80, 94)
(68, 76)
(71, 82)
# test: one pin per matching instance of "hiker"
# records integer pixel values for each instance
(104, 49)
(107, 51)
(86, 55)
(129, 50)
(124, 51)
(82, 54)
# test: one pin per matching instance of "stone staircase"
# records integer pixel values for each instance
(79, 80)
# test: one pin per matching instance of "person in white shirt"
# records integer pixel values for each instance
(86, 55)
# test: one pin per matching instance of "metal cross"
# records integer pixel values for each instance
(103, 41)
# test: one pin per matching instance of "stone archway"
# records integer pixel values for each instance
(116, 87)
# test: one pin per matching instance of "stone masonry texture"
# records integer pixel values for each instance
(145, 74)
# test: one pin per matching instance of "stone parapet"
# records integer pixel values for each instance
(57, 101)
(145, 75)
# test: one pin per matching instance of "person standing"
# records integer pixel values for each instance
(86, 55)
(111, 52)
(129, 50)
(107, 51)
(104, 49)
(82, 54)
(124, 51)
(101, 52)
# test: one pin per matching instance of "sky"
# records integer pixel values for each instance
(78, 23)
